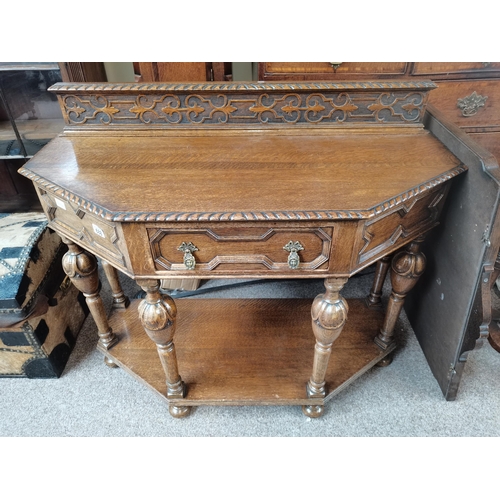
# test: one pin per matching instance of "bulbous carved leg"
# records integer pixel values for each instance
(120, 300)
(157, 313)
(374, 298)
(406, 268)
(81, 268)
(329, 314)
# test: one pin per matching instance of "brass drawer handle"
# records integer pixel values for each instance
(188, 248)
(335, 65)
(470, 105)
(293, 258)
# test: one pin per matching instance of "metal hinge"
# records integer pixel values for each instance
(451, 372)
(486, 236)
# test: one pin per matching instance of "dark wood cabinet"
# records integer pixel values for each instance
(182, 71)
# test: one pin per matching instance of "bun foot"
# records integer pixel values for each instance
(313, 411)
(179, 411)
(386, 361)
(110, 363)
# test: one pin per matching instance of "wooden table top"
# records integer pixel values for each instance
(243, 172)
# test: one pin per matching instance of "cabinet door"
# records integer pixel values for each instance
(450, 307)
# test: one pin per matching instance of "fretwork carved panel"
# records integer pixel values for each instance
(174, 105)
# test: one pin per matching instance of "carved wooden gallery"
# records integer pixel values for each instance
(260, 180)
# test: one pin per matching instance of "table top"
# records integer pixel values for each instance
(247, 174)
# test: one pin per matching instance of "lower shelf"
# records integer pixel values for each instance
(247, 351)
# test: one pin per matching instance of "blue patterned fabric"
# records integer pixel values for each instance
(19, 234)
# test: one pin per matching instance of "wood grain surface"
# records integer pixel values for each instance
(247, 172)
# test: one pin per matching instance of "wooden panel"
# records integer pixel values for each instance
(173, 106)
(270, 71)
(446, 99)
(83, 72)
(95, 233)
(411, 218)
(489, 141)
(440, 69)
(240, 249)
(240, 351)
(180, 284)
(175, 71)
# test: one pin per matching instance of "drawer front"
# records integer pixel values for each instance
(225, 250)
(469, 104)
(96, 234)
(398, 227)
(470, 69)
(329, 71)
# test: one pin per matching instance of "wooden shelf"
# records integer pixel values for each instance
(247, 351)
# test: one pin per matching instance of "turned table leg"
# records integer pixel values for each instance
(157, 313)
(374, 299)
(120, 300)
(406, 268)
(329, 314)
(81, 268)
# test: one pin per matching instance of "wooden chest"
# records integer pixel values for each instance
(40, 346)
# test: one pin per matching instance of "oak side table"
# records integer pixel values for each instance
(240, 180)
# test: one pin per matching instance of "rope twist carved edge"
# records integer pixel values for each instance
(310, 215)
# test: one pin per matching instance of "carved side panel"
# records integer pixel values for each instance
(232, 249)
(94, 233)
(410, 219)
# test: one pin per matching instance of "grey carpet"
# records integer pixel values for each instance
(402, 399)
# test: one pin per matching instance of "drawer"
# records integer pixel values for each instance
(397, 227)
(228, 249)
(329, 71)
(93, 233)
(469, 104)
(453, 69)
